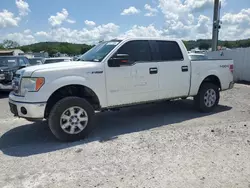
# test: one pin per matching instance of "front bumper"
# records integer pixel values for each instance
(27, 110)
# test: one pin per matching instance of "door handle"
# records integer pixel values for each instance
(153, 70)
(184, 68)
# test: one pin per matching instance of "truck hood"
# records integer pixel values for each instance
(56, 66)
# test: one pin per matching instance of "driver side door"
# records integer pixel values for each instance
(133, 81)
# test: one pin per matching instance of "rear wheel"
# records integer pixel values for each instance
(71, 119)
(207, 98)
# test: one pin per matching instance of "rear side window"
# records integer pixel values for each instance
(137, 50)
(169, 51)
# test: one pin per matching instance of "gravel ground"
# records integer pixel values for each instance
(157, 145)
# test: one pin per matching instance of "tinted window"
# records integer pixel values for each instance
(8, 62)
(169, 51)
(26, 60)
(22, 62)
(100, 51)
(137, 50)
(54, 61)
(35, 61)
(198, 57)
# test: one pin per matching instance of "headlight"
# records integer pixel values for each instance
(31, 85)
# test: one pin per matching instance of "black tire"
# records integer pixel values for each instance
(59, 108)
(199, 99)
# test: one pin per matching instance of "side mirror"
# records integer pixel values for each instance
(118, 60)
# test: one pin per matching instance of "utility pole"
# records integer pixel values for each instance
(216, 25)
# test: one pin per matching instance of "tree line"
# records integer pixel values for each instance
(50, 47)
(204, 44)
(76, 49)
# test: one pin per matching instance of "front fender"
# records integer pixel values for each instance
(50, 87)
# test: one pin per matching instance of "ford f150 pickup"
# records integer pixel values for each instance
(115, 74)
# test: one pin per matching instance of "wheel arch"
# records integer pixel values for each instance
(77, 90)
(211, 79)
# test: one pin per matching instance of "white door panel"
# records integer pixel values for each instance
(173, 82)
(174, 67)
(145, 85)
(133, 82)
(119, 84)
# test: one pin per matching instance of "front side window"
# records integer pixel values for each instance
(137, 51)
(169, 51)
(100, 51)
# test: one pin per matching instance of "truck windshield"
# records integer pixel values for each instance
(99, 52)
(8, 62)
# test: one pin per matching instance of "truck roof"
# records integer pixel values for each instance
(147, 38)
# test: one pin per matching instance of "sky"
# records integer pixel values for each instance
(90, 21)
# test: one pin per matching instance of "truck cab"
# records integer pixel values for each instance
(115, 74)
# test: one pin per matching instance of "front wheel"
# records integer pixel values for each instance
(207, 98)
(71, 118)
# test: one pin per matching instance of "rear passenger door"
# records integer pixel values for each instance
(174, 71)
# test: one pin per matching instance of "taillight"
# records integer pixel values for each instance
(231, 68)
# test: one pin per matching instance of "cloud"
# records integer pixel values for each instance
(181, 20)
(71, 21)
(27, 31)
(88, 36)
(130, 11)
(236, 25)
(142, 31)
(199, 5)
(42, 34)
(59, 18)
(89, 23)
(23, 7)
(7, 19)
(21, 38)
(151, 11)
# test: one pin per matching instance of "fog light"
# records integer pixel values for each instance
(23, 110)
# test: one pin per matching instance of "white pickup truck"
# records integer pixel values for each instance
(112, 75)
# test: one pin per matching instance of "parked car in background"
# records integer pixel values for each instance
(116, 74)
(8, 67)
(76, 58)
(197, 56)
(36, 61)
(56, 60)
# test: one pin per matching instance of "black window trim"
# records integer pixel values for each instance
(158, 51)
(136, 62)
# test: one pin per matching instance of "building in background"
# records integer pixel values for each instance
(41, 54)
(11, 52)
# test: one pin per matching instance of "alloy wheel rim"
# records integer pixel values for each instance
(74, 120)
(210, 98)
